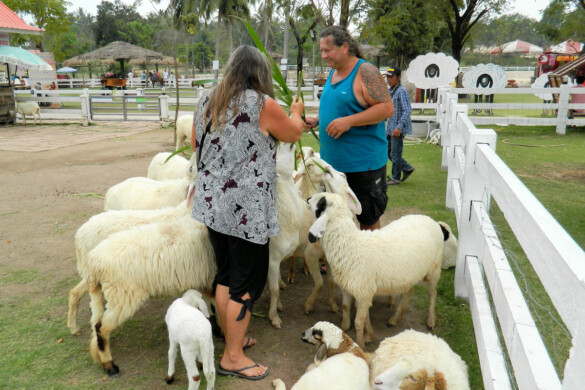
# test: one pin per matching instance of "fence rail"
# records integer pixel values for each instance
(476, 175)
(503, 113)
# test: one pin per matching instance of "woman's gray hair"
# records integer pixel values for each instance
(340, 35)
(246, 69)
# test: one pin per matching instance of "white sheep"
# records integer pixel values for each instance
(141, 193)
(189, 327)
(131, 266)
(340, 372)
(412, 356)
(184, 127)
(335, 182)
(97, 229)
(161, 169)
(388, 261)
(289, 207)
(29, 108)
(338, 364)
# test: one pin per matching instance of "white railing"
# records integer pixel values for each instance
(476, 175)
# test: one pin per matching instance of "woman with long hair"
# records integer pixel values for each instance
(235, 133)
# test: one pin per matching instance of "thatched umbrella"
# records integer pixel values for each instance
(115, 51)
(376, 51)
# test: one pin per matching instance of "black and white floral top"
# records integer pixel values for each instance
(236, 182)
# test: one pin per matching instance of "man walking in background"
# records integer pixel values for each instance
(398, 126)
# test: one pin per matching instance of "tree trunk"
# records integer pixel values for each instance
(217, 41)
(344, 16)
(286, 29)
(231, 38)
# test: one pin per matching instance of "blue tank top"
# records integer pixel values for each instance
(359, 149)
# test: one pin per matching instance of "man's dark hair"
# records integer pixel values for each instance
(340, 35)
(580, 79)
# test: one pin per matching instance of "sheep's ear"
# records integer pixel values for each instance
(318, 228)
(352, 202)
(439, 383)
(297, 175)
(190, 194)
(202, 306)
(321, 354)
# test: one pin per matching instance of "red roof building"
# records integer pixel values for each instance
(12, 23)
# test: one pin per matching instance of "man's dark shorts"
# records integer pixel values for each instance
(241, 265)
(370, 188)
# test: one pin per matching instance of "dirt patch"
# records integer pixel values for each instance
(51, 179)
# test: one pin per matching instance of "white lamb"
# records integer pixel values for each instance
(189, 327)
(340, 372)
(417, 360)
(339, 362)
(141, 193)
(29, 108)
(131, 266)
(184, 130)
(161, 169)
(97, 229)
(388, 261)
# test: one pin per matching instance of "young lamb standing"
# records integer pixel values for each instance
(129, 267)
(414, 356)
(29, 108)
(189, 327)
(388, 261)
(339, 363)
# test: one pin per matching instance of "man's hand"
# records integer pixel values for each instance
(339, 126)
(311, 121)
(396, 133)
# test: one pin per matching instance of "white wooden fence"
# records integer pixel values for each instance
(476, 175)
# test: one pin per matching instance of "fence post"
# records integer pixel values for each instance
(164, 108)
(473, 189)
(139, 94)
(451, 139)
(85, 110)
(562, 112)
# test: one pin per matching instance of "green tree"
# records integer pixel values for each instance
(50, 15)
(403, 27)
(462, 16)
(114, 23)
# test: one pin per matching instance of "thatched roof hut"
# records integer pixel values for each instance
(115, 51)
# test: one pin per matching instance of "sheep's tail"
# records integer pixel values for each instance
(278, 384)
(446, 230)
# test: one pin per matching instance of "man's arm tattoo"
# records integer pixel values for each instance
(374, 83)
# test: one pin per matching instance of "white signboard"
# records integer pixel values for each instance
(215, 64)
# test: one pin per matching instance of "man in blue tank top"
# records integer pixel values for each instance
(354, 105)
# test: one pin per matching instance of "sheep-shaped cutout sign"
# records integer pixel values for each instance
(543, 82)
(485, 77)
(432, 70)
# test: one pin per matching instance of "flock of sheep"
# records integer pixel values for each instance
(145, 244)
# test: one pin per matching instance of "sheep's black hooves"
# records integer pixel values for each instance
(112, 370)
(170, 379)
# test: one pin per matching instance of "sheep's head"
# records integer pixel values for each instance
(336, 182)
(195, 299)
(330, 341)
(285, 159)
(399, 377)
(320, 205)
